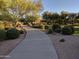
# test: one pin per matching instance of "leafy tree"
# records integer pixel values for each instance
(64, 16)
(47, 16)
(2, 6)
(20, 8)
(55, 17)
(31, 18)
(51, 17)
(13, 10)
(72, 17)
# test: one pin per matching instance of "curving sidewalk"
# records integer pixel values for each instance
(36, 45)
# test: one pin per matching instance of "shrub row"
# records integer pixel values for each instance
(49, 31)
(12, 33)
(66, 30)
(2, 34)
(56, 28)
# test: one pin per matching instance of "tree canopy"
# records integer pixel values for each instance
(20, 8)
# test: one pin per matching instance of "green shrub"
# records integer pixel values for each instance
(49, 31)
(68, 30)
(46, 27)
(21, 31)
(73, 30)
(12, 33)
(56, 28)
(2, 34)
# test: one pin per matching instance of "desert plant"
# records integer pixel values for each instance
(49, 31)
(2, 34)
(21, 31)
(56, 28)
(67, 30)
(46, 27)
(13, 33)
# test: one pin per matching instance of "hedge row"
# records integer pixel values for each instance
(66, 30)
(12, 33)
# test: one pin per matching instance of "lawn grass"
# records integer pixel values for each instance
(76, 32)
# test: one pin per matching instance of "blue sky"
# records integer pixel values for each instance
(61, 5)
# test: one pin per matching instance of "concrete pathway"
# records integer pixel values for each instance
(36, 45)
